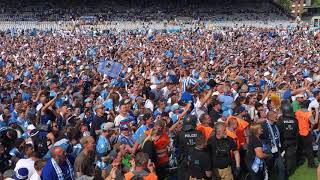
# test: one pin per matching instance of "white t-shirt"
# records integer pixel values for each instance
(200, 110)
(149, 105)
(313, 104)
(35, 176)
(165, 92)
(118, 119)
(26, 163)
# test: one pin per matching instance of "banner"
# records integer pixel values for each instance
(109, 68)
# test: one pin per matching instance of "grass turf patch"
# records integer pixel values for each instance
(304, 173)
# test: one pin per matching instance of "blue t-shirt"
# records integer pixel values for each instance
(49, 173)
(186, 97)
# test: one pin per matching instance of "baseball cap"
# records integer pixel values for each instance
(315, 91)
(175, 107)
(239, 110)
(98, 106)
(299, 96)
(108, 126)
(146, 116)
(124, 102)
(139, 98)
(124, 127)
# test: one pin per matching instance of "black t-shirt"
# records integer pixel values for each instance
(199, 163)
(254, 142)
(186, 140)
(96, 124)
(220, 151)
(215, 115)
(150, 149)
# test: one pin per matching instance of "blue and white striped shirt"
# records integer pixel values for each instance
(188, 81)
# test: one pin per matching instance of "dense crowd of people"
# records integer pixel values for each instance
(229, 103)
(151, 11)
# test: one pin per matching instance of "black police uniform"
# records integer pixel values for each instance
(186, 140)
(288, 128)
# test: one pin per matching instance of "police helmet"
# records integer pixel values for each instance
(189, 122)
(286, 108)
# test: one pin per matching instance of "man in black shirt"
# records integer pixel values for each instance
(220, 147)
(199, 161)
(215, 113)
(97, 121)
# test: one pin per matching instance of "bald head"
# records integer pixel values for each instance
(58, 154)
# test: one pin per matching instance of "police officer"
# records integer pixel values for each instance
(186, 140)
(288, 128)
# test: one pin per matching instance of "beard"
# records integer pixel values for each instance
(60, 159)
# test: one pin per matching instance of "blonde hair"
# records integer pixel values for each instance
(254, 129)
(85, 140)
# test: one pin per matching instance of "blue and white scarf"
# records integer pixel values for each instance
(59, 171)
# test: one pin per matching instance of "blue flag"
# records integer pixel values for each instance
(103, 66)
(114, 70)
(111, 69)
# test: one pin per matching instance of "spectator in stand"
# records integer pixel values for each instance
(58, 167)
(84, 163)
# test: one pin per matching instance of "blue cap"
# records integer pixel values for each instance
(239, 110)
(315, 91)
(123, 127)
(21, 174)
(174, 107)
